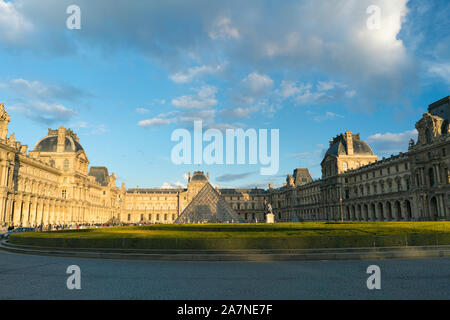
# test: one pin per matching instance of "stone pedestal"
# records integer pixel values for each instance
(270, 218)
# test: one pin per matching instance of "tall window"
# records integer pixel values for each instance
(64, 194)
(431, 176)
(345, 166)
(428, 135)
(66, 165)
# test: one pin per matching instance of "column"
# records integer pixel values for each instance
(17, 212)
(25, 213)
(440, 201)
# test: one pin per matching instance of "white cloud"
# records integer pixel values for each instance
(308, 97)
(186, 119)
(42, 91)
(307, 93)
(142, 110)
(13, 25)
(154, 122)
(290, 88)
(205, 97)
(44, 112)
(238, 113)
(190, 74)
(223, 29)
(156, 102)
(257, 83)
(173, 185)
(350, 93)
(441, 70)
(253, 87)
(294, 38)
(329, 85)
(391, 142)
(327, 116)
(94, 128)
(99, 129)
(302, 155)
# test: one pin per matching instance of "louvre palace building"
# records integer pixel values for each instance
(53, 184)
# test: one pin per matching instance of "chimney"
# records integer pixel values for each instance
(349, 139)
(23, 149)
(61, 139)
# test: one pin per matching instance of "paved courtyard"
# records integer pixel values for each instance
(40, 277)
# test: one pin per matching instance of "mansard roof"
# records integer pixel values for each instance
(101, 175)
(50, 142)
(338, 146)
(199, 176)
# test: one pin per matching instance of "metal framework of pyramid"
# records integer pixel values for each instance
(208, 206)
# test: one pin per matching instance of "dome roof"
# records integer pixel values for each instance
(338, 146)
(199, 176)
(49, 144)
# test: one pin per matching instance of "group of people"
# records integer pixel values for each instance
(57, 227)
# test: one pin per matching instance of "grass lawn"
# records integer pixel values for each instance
(247, 236)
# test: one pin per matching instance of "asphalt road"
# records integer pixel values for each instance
(40, 277)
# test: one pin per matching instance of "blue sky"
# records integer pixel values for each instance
(136, 71)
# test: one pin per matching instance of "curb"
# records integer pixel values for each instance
(238, 255)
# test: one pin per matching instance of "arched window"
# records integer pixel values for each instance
(344, 166)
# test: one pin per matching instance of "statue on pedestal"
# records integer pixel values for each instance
(270, 217)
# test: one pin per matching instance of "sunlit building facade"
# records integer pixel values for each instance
(53, 184)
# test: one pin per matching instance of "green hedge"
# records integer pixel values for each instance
(238, 243)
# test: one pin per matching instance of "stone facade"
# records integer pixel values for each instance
(53, 184)
(355, 186)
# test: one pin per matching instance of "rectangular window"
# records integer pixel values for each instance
(66, 165)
